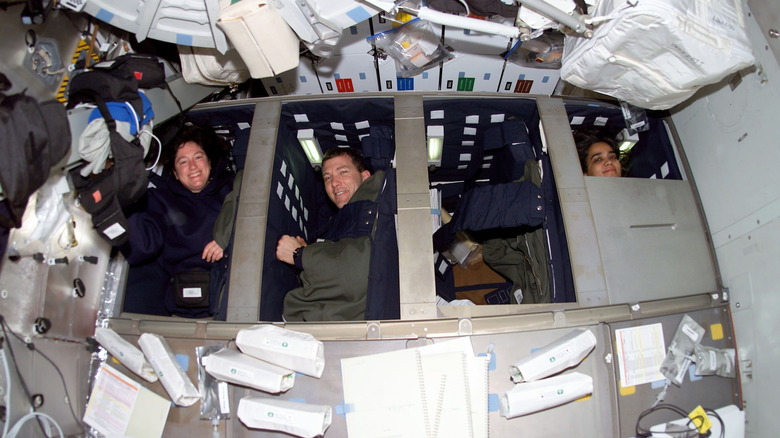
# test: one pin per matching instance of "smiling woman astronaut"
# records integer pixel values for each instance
(175, 227)
(599, 155)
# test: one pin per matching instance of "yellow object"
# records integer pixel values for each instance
(587, 397)
(628, 390)
(405, 44)
(404, 17)
(700, 419)
(716, 331)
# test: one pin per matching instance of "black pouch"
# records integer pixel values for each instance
(147, 70)
(191, 289)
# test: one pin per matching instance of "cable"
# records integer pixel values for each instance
(466, 5)
(25, 389)
(694, 432)
(640, 432)
(720, 420)
(31, 346)
(159, 147)
(37, 415)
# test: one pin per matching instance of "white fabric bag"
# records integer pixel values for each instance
(657, 53)
(240, 369)
(260, 35)
(297, 351)
(125, 352)
(174, 380)
(205, 66)
(299, 419)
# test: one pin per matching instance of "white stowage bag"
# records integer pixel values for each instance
(206, 66)
(565, 352)
(297, 351)
(176, 383)
(234, 367)
(657, 53)
(264, 40)
(299, 419)
(527, 398)
(126, 353)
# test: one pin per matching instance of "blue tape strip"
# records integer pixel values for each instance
(104, 15)
(658, 384)
(545, 79)
(297, 400)
(183, 40)
(344, 408)
(486, 77)
(492, 402)
(358, 14)
(184, 361)
(533, 350)
(692, 373)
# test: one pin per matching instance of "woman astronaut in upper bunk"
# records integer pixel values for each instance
(599, 155)
(181, 227)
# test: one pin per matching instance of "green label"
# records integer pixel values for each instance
(466, 84)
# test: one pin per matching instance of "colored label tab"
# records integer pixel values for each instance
(466, 84)
(405, 84)
(523, 86)
(716, 331)
(344, 86)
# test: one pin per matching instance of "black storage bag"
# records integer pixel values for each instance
(105, 196)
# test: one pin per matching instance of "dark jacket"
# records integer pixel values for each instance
(522, 258)
(176, 224)
(342, 274)
(515, 211)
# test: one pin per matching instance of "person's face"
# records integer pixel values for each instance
(342, 179)
(192, 167)
(602, 161)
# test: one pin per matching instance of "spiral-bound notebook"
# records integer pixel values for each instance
(434, 391)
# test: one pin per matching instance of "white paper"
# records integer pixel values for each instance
(118, 406)
(640, 351)
(383, 395)
(438, 390)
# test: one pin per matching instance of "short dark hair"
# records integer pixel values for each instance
(585, 139)
(357, 157)
(215, 147)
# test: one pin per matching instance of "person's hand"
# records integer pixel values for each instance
(212, 252)
(287, 244)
